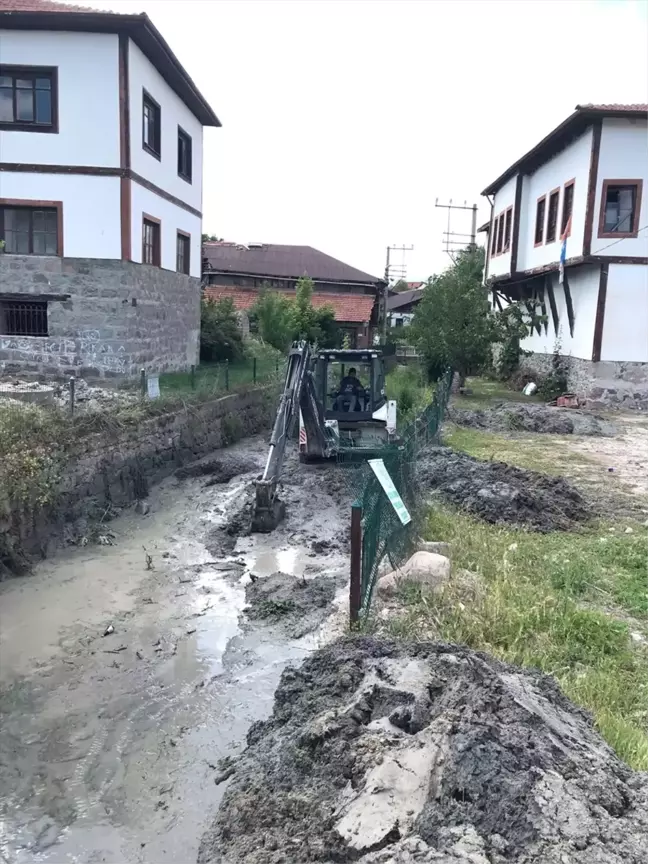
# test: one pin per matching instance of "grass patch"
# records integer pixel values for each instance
(529, 450)
(536, 609)
(412, 392)
(486, 392)
(219, 378)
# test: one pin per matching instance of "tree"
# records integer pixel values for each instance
(211, 237)
(220, 331)
(282, 319)
(453, 325)
(317, 326)
(327, 331)
(401, 285)
(274, 318)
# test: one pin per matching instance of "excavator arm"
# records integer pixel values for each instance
(298, 394)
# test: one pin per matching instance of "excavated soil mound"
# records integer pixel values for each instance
(221, 469)
(516, 417)
(298, 605)
(386, 753)
(501, 493)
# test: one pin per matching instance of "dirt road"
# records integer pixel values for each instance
(109, 743)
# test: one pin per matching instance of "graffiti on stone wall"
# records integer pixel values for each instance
(88, 349)
(100, 354)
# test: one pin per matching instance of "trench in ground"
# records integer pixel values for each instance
(107, 754)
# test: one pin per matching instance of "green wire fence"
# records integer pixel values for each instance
(382, 533)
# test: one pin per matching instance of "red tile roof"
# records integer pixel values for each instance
(351, 308)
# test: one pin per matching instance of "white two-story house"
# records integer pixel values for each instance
(101, 164)
(584, 186)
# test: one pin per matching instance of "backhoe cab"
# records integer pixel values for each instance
(350, 386)
(339, 397)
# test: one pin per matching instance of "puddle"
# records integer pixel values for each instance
(292, 561)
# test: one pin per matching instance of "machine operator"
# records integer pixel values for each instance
(351, 390)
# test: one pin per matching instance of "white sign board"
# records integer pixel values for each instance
(153, 386)
(378, 467)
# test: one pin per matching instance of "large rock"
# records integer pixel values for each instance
(393, 753)
(424, 568)
(437, 546)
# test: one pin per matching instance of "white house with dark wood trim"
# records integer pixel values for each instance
(585, 184)
(101, 155)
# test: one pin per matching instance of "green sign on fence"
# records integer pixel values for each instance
(379, 469)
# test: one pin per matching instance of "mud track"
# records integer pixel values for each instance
(109, 745)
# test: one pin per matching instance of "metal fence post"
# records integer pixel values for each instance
(71, 395)
(143, 382)
(355, 585)
(254, 371)
(227, 374)
(192, 376)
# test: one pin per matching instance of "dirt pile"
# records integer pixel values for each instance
(87, 397)
(389, 752)
(518, 417)
(297, 605)
(500, 493)
(220, 469)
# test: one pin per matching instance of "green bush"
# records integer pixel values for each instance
(220, 331)
(282, 319)
(405, 384)
(272, 312)
(556, 382)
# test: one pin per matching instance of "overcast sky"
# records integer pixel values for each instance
(344, 120)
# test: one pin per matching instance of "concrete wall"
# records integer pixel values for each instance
(571, 164)
(500, 265)
(119, 317)
(623, 156)
(91, 220)
(172, 219)
(583, 287)
(88, 98)
(625, 326)
(173, 113)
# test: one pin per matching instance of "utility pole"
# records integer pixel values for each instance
(451, 234)
(393, 272)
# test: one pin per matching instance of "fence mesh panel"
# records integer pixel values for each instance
(383, 534)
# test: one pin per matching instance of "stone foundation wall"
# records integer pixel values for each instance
(114, 317)
(112, 469)
(603, 385)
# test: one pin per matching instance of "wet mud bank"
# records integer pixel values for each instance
(109, 470)
(518, 417)
(111, 744)
(500, 493)
(393, 753)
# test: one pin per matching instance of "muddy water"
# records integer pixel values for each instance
(108, 743)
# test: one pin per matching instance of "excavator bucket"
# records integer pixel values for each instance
(269, 510)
